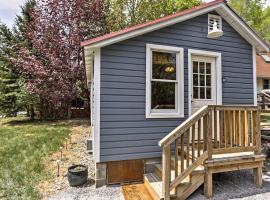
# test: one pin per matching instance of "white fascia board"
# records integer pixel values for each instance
(88, 59)
(243, 29)
(154, 27)
(222, 9)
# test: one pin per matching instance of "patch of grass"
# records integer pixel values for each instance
(23, 146)
(265, 117)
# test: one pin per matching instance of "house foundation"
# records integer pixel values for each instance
(118, 172)
(101, 174)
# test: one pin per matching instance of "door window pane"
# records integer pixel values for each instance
(195, 80)
(202, 80)
(208, 80)
(202, 67)
(195, 92)
(163, 95)
(202, 92)
(164, 65)
(208, 93)
(195, 67)
(208, 68)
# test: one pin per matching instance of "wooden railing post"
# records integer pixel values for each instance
(209, 135)
(176, 149)
(258, 132)
(166, 171)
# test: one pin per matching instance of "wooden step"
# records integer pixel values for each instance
(153, 184)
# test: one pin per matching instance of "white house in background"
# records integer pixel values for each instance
(263, 73)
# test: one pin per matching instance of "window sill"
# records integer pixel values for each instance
(164, 115)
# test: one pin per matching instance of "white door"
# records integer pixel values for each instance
(203, 82)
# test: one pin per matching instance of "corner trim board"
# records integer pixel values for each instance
(217, 55)
(254, 75)
(96, 136)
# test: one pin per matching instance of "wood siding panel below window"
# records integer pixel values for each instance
(125, 171)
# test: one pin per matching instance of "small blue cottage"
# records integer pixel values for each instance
(172, 98)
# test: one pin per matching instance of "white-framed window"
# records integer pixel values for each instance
(214, 19)
(266, 84)
(164, 81)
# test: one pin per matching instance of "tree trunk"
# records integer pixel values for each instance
(32, 113)
(69, 110)
(27, 111)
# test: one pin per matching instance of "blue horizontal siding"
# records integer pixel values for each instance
(125, 132)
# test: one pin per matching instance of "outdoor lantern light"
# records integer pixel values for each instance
(61, 152)
(216, 32)
(69, 137)
(58, 167)
(66, 142)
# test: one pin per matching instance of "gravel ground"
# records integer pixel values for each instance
(231, 185)
(87, 193)
(74, 154)
(236, 185)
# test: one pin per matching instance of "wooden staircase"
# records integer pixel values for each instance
(153, 183)
(214, 139)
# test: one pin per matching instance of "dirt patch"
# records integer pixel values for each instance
(136, 192)
(73, 152)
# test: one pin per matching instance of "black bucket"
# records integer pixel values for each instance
(77, 175)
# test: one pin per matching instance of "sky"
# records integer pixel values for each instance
(10, 8)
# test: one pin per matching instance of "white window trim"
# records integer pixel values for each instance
(179, 112)
(214, 16)
(217, 55)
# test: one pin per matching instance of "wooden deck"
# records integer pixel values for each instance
(213, 140)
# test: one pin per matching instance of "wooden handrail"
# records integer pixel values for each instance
(211, 130)
(234, 107)
(180, 136)
(168, 139)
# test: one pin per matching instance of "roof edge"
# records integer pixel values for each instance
(244, 29)
(260, 41)
(150, 23)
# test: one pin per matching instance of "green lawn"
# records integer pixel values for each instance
(265, 117)
(23, 146)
